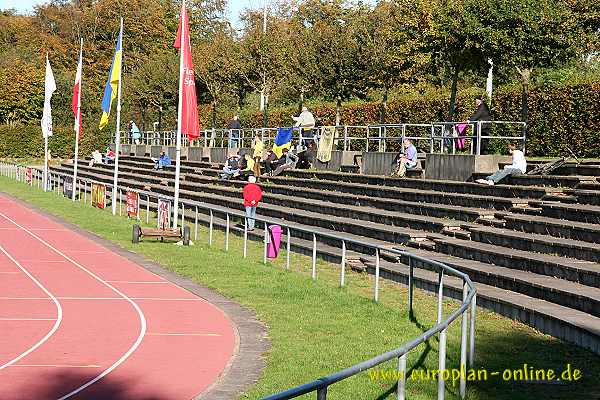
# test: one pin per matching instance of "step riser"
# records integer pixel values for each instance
(506, 261)
(535, 246)
(451, 187)
(558, 231)
(572, 215)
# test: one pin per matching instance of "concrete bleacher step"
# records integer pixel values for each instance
(565, 323)
(560, 197)
(590, 197)
(423, 184)
(574, 270)
(572, 212)
(532, 242)
(406, 194)
(551, 181)
(553, 227)
(495, 222)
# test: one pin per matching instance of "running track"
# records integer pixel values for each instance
(78, 321)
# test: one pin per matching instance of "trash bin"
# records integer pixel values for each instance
(274, 241)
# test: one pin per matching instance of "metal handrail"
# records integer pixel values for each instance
(321, 385)
(221, 137)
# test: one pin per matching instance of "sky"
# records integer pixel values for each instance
(234, 6)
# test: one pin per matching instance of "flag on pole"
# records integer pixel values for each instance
(110, 90)
(76, 101)
(49, 88)
(189, 112)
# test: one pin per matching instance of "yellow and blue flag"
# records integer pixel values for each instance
(283, 140)
(110, 90)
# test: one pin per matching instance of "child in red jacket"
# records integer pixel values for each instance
(252, 196)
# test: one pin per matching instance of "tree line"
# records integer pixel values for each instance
(311, 51)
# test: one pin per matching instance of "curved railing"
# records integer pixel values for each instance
(190, 209)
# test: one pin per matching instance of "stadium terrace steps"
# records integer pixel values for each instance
(553, 227)
(424, 184)
(533, 242)
(551, 281)
(591, 197)
(543, 180)
(572, 212)
(580, 271)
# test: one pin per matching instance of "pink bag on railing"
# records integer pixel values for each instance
(461, 129)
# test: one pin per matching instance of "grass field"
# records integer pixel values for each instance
(316, 328)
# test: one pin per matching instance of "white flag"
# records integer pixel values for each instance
(50, 87)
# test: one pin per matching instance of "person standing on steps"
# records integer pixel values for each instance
(252, 196)
(235, 127)
(482, 113)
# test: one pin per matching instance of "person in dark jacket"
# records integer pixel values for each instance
(482, 113)
(234, 127)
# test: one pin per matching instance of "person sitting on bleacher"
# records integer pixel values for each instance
(231, 168)
(407, 159)
(271, 162)
(110, 156)
(96, 158)
(290, 162)
(246, 166)
(163, 161)
(518, 167)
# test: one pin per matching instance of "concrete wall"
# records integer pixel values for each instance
(460, 167)
(125, 149)
(195, 153)
(155, 151)
(374, 163)
(140, 150)
(172, 152)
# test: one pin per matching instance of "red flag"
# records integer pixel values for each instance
(189, 113)
(76, 102)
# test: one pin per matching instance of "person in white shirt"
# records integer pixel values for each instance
(518, 167)
(306, 122)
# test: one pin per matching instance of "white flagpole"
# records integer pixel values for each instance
(179, 115)
(45, 174)
(118, 134)
(78, 120)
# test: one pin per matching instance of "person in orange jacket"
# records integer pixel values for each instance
(252, 196)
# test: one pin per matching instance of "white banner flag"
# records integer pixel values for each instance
(50, 87)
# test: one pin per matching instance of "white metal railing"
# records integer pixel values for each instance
(437, 137)
(190, 209)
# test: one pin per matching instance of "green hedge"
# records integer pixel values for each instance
(27, 142)
(558, 117)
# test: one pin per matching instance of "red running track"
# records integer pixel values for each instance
(78, 321)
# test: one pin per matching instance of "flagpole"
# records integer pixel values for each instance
(45, 133)
(78, 119)
(117, 133)
(179, 117)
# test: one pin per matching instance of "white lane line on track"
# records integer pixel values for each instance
(183, 334)
(101, 298)
(133, 303)
(54, 366)
(57, 322)
(142, 282)
(27, 319)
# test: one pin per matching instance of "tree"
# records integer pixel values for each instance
(525, 35)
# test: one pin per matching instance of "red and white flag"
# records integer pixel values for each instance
(189, 112)
(76, 102)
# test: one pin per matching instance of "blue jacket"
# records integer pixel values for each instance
(165, 160)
